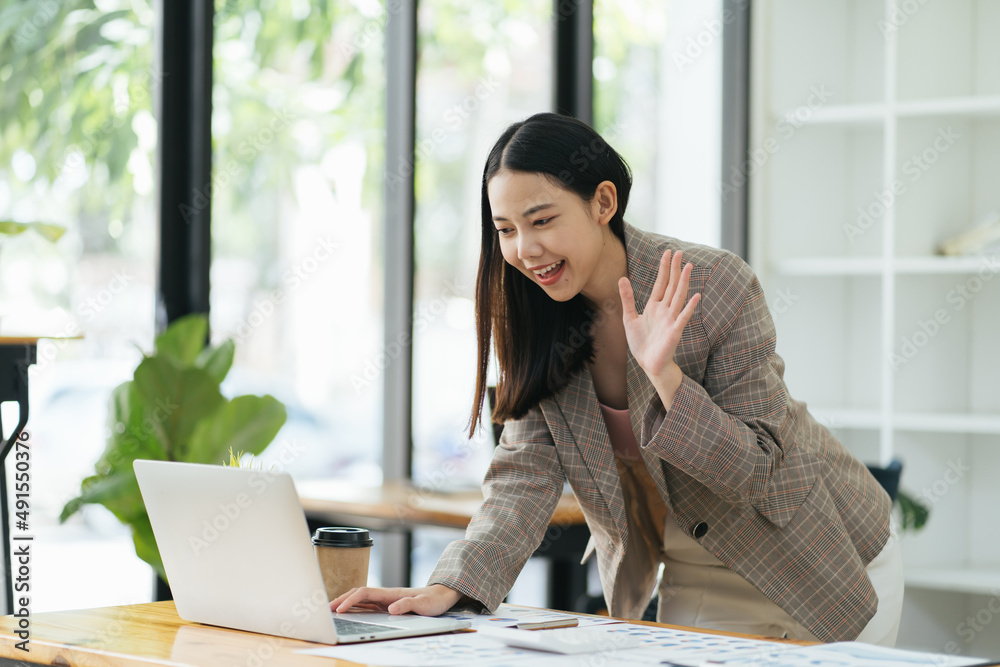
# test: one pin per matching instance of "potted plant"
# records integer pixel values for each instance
(173, 410)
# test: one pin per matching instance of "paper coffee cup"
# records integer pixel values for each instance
(342, 554)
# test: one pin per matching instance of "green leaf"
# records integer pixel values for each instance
(133, 432)
(47, 231)
(247, 424)
(217, 360)
(914, 512)
(184, 339)
(145, 544)
(174, 400)
(119, 493)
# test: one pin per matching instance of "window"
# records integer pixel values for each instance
(77, 145)
(482, 66)
(297, 126)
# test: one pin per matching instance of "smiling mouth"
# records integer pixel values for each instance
(550, 270)
(551, 274)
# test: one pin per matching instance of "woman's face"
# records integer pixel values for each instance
(549, 233)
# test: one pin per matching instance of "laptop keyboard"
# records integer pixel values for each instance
(346, 627)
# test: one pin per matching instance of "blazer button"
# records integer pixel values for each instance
(699, 529)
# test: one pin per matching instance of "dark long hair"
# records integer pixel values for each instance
(540, 342)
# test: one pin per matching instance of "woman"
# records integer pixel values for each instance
(668, 416)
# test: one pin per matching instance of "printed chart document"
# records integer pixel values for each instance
(658, 646)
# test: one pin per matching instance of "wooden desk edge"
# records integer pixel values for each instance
(396, 506)
(33, 340)
(152, 628)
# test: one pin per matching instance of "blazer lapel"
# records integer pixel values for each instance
(578, 399)
(578, 403)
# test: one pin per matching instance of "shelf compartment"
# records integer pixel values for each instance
(937, 471)
(947, 423)
(830, 266)
(945, 265)
(986, 106)
(873, 266)
(846, 32)
(945, 179)
(968, 65)
(839, 114)
(945, 359)
(876, 113)
(837, 418)
(923, 422)
(825, 205)
(815, 314)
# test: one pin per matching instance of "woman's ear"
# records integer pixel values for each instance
(605, 201)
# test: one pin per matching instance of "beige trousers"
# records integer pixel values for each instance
(696, 589)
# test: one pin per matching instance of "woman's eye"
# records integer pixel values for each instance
(503, 232)
(543, 221)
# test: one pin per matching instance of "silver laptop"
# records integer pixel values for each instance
(238, 554)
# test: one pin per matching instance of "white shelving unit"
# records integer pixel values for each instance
(875, 135)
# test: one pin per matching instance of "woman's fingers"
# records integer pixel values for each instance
(380, 598)
(628, 299)
(680, 288)
(688, 311)
(662, 278)
(428, 601)
(668, 278)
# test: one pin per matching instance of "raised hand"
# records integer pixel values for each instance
(653, 336)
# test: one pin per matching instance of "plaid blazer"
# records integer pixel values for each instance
(740, 465)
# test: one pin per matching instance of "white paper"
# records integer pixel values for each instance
(854, 654)
(660, 646)
(466, 648)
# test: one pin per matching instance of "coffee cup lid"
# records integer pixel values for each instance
(341, 536)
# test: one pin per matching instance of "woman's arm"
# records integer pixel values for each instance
(724, 431)
(521, 489)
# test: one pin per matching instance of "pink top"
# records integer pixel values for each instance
(620, 431)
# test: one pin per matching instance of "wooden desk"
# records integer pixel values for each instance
(153, 634)
(399, 507)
